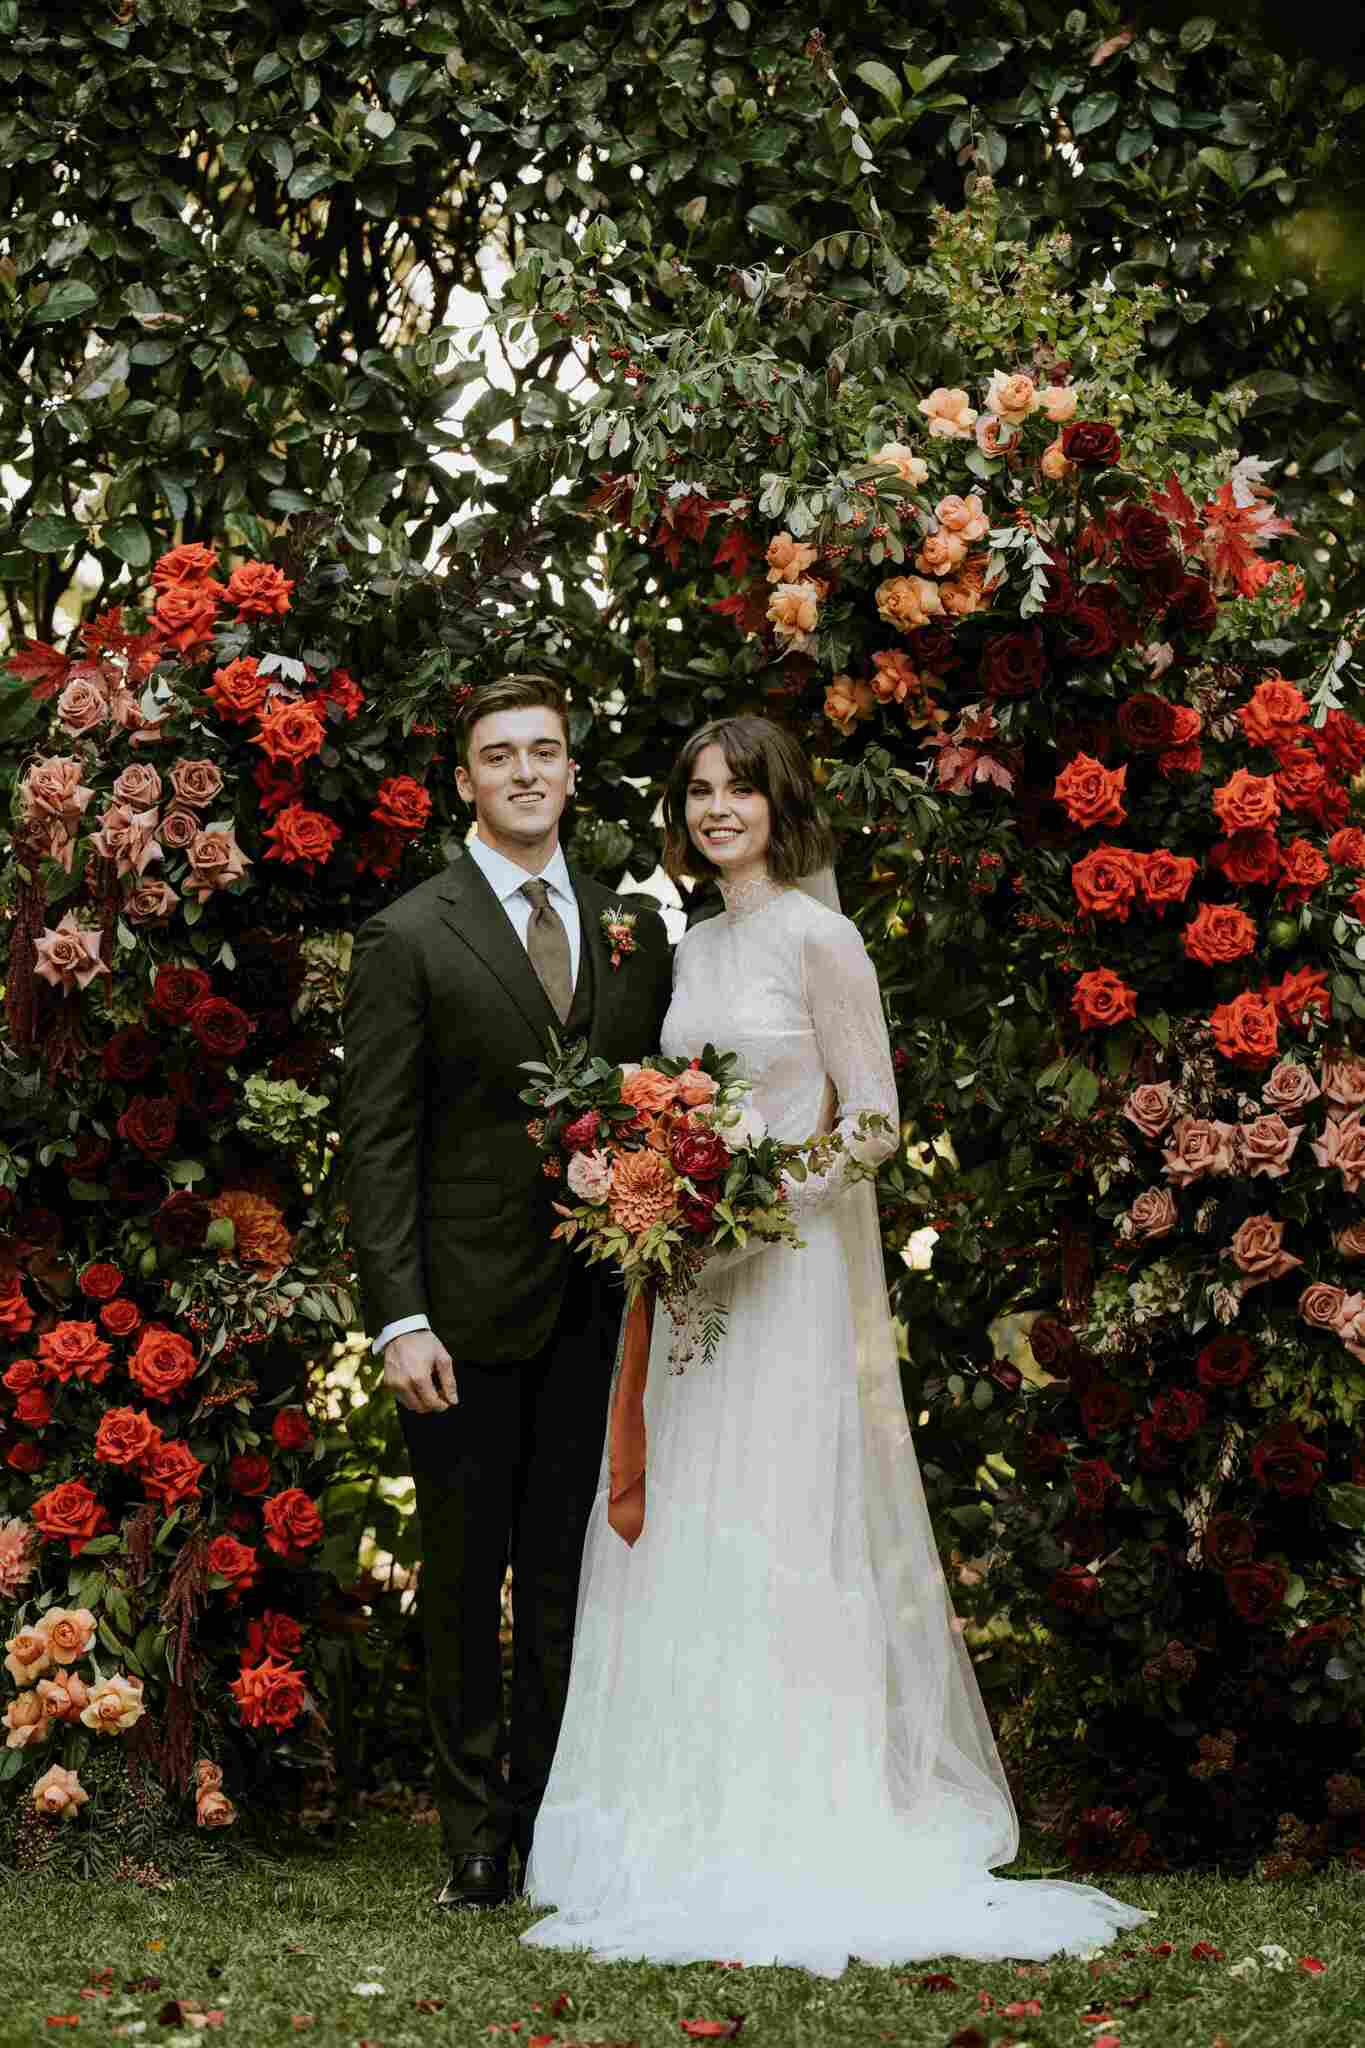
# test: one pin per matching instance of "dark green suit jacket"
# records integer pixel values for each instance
(450, 1212)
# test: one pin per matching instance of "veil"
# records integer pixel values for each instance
(821, 884)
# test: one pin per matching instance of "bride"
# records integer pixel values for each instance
(773, 1749)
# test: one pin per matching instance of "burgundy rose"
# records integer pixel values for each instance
(1091, 444)
(1060, 588)
(1104, 1405)
(181, 1222)
(698, 1212)
(1042, 1452)
(1012, 664)
(1321, 1635)
(149, 1124)
(1179, 1414)
(90, 1155)
(249, 1472)
(1154, 1452)
(176, 990)
(1286, 1462)
(699, 1154)
(1091, 1482)
(1256, 1590)
(1147, 721)
(1227, 1362)
(1194, 606)
(1227, 1541)
(1075, 1590)
(1006, 1375)
(220, 1027)
(581, 1134)
(1052, 1344)
(130, 1054)
(1090, 631)
(1144, 539)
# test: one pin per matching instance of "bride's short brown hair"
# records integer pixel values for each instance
(762, 753)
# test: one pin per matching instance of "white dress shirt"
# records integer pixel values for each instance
(506, 880)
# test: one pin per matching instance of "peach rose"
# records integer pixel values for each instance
(139, 787)
(794, 613)
(214, 1810)
(1149, 1107)
(1267, 1146)
(968, 592)
(648, 1090)
(846, 702)
(993, 436)
(589, 1176)
(63, 1697)
(940, 554)
(29, 1655)
(1152, 1215)
(1053, 463)
(216, 861)
(965, 517)
(1342, 1144)
(1290, 1087)
(1198, 1147)
(949, 415)
(58, 1794)
(1351, 1241)
(195, 782)
(1343, 1081)
(908, 602)
(208, 1776)
(1258, 1253)
(69, 956)
(788, 559)
(83, 705)
(114, 1705)
(70, 1633)
(696, 1087)
(911, 468)
(149, 902)
(1011, 398)
(1320, 1305)
(1059, 402)
(25, 1722)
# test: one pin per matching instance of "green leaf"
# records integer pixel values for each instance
(883, 80)
(1220, 162)
(1093, 112)
(1082, 1092)
(221, 1235)
(1195, 33)
(64, 301)
(776, 222)
(310, 179)
(129, 540)
(404, 82)
(50, 534)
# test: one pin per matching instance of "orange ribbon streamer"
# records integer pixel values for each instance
(626, 1429)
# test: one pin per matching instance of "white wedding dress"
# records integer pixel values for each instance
(774, 1749)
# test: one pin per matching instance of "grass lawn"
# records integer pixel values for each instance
(269, 1945)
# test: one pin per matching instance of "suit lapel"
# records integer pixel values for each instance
(472, 911)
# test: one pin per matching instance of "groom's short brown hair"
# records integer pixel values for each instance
(799, 841)
(519, 692)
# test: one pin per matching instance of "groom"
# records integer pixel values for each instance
(497, 1343)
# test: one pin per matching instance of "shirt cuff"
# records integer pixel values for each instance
(398, 1329)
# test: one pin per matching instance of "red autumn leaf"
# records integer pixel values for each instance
(938, 1980)
(748, 608)
(40, 665)
(1313, 1965)
(1205, 1952)
(1022, 2008)
(713, 2030)
(540, 2040)
(430, 2005)
(1180, 508)
(735, 552)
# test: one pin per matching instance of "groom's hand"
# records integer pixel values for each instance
(420, 1371)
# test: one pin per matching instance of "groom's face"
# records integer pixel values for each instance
(518, 778)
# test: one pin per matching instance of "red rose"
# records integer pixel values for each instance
(1247, 1030)
(84, 1164)
(250, 1472)
(1091, 793)
(259, 590)
(1286, 1462)
(581, 1134)
(401, 805)
(70, 1512)
(181, 1222)
(699, 1153)
(1300, 780)
(342, 689)
(290, 732)
(76, 1351)
(1012, 664)
(238, 691)
(1186, 760)
(1227, 1362)
(188, 563)
(1347, 847)
(1179, 1415)
(1256, 1590)
(149, 1123)
(292, 1430)
(176, 990)
(120, 1318)
(1154, 1452)
(698, 1212)
(1091, 444)
(16, 1310)
(1297, 993)
(163, 1362)
(1075, 1590)
(1091, 628)
(1091, 1482)
(1322, 1635)
(272, 1635)
(170, 1473)
(1194, 608)
(1246, 802)
(1340, 739)
(1147, 722)
(1165, 877)
(1106, 881)
(130, 1054)
(34, 1407)
(1273, 712)
(125, 1436)
(269, 1695)
(1247, 857)
(236, 1562)
(1101, 1000)
(185, 613)
(1219, 933)
(1302, 869)
(1053, 1345)
(1041, 1452)
(23, 1373)
(1104, 1405)
(302, 838)
(220, 1027)
(100, 1282)
(1144, 539)
(276, 786)
(25, 1457)
(1227, 1541)
(292, 1521)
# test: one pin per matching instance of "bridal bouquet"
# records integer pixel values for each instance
(668, 1164)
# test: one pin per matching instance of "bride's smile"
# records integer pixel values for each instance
(728, 820)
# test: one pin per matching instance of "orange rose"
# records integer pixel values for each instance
(70, 1633)
(238, 691)
(1091, 793)
(70, 1512)
(1302, 869)
(259, 591)
(25, 1722)
(401, 805)
(963, 516)
(58, 1794)
(236, 1562)
(908, 602)
(189, 563)
(292, 1521)
(302, 838)
(185, 613)
(76, 1351)
(1101, 1000)
(941, 554)
(1247, 1030)
(1165, 878)
(1271, 713)
(163, 1362)
(269, 1695)
(125, 1436)
(170, 1474)
(1300, 780)
(1219, 933)
(1347, 847)
(649, 1091)
(1246, 802)
(1105, 882)
(789, 559)
(290, 733)
(113, 1705)
(847, 701)
(968, 592)
(949, 415)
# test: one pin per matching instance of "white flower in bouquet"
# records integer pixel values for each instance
(739, 1124)
(589, 1176)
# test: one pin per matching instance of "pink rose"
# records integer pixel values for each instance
(993, 436)
(1058, 401)
(1152, 1215)
(214, 1810)
(1320, 1305)
(965, 517)
(1351, 1241)
(139, 787)
(53, 789)
(911, 468)
(83, 705)
(1257, 1252)
(695, 1088)
(1198, 1147)
(1149, 1107)
(1342, 1145)
(59, 1793)
(208, 1776)
(128, 838)
(195, 782)
(949, 415)
(216, 861)
(64, 1696)
(589, 1176)
(179, 829)
(1267, 1146)
(150, 903)
(69, 957)
(126, 710)
(1343, 1081)
(1290, 1087)
(70, 1633)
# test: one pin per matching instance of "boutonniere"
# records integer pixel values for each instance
(618, 926)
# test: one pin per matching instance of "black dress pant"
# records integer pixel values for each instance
(508, 1476)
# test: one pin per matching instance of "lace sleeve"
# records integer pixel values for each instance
(850, 1027)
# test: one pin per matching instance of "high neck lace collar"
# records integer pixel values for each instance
(742, 899)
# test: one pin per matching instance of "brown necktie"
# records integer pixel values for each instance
(547, 942)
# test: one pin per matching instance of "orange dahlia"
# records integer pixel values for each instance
(644, 1189)
(262, 1239)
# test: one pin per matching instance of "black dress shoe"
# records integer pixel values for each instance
(475, 1881)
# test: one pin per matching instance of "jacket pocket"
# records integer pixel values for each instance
(464, 1198)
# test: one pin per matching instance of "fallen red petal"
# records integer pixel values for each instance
(1161, 1948)
(713, 2030)
(938, 1980)
(430, 2005)
(561, 2004)
(1022, 2009)
(1205, 1952)
(1313, 1965)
